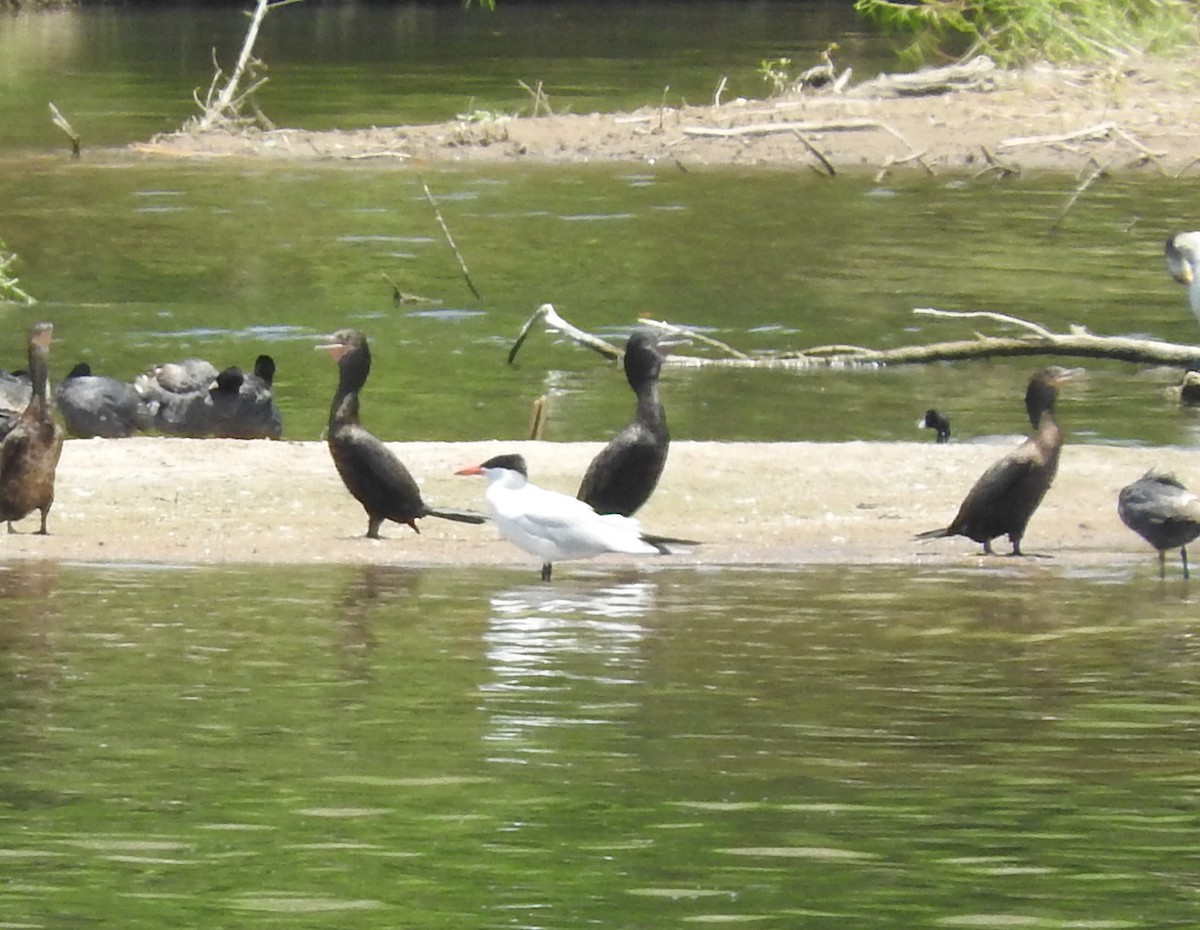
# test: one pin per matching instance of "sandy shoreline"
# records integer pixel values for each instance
(1137, 116)
(181, 501)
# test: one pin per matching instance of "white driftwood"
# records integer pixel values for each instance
(979, 72)
(229, 99)
(1035, 340)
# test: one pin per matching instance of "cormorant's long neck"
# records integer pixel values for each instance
(644, 380)
(39, 374)
(353, 368)
(1040, 408)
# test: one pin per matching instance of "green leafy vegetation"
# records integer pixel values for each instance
(10, 288)
(1017, 31)
(777, 73)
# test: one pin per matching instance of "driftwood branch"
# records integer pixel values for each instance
(225, 106)
(1035, 340)
(547, 315)
(60, 121)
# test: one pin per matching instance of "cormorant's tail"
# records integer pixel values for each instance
(663, 543)
(935, 534)
(458, 516)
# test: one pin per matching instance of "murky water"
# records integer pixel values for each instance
(139, 261)
(381, 747)
(386, 747)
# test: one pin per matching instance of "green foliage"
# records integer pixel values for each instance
(1017, 31)
(9, 286)
(777, 73)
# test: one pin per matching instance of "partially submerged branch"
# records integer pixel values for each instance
(223, 107)
(1036, 340)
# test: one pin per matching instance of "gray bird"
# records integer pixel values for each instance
(1163, 512)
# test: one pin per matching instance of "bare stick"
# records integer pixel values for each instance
(815, 153)
(549, 316)
(987, 315)
(766, 129)
(1098, 171)
(450, 239)
(1100, 130)
(693, 335)
(61, 122)
(720, 90)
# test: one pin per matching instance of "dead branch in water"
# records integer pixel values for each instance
(223, 107)
(1034, 341)
(462, 263)
(60, 121)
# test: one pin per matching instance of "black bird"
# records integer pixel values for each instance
(1163, 512)
(243, 405)
(29, 453)
(625, 472)
(192, 398)
(937, 422)
(95, 405)
(1006, 495)
(371, 472)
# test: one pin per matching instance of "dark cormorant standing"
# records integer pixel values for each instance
(624, 473)
(1007, 494)
(1163, 512)
(937, 422)
(29, 453)
(371, 472)
(95, 405)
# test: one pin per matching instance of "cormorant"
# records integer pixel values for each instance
(1006, 495)
(937, 422)
(624, 473)
(369, 469)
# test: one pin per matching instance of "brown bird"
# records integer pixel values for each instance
(1006, 495)
(369, 469)
(1163, 512)
(29, 453)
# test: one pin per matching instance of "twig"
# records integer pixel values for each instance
(539, 98)
(694, 335)
(1097, 172)
(815, 152)
(766, 129)
(450, 239)
(720, 90)
(1034, 328)
(61, 122)
(1091, 132)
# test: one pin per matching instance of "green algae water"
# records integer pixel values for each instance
(376, 747)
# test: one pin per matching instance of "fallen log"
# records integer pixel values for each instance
(1035, 340)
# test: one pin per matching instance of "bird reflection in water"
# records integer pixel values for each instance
(374, 588)
(556, 654)
(29, 621)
